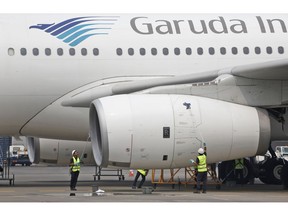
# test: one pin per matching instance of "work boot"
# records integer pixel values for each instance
(198, 192)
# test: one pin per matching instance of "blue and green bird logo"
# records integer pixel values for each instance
(76, 30)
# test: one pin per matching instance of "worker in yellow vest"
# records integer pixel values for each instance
(74, 169)
(239, 166)
(143, 173)
(201, 171)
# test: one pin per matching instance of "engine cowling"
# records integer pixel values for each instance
(57, 152)
(165, 131)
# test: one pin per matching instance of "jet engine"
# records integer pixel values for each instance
(57, 151)
(165, 131)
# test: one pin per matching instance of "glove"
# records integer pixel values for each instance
(191, 160)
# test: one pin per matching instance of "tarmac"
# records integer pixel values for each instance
(51, 184)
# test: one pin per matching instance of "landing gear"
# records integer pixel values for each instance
(284, 175)
(270, 171)
(226, 171)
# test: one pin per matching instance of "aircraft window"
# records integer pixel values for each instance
(84, 51)
(119, 51)
(11, 52)
(200, 51)
(234, 50)
(211, 51)
(35, 51)
(177, 51)
(165, 51)
(280, 50)
(257, 50)
(23, 51)
(223, 50)
(131, 51)
(47, 51)
(95, 52)
(142, 51)
(269, 50)
(188, 51)
(72, 51)
(60, 51)
(154, 51)
(246, 50)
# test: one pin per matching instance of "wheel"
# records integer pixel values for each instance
(226, 171)
(284, 176)
(270, 171)
(247, 172)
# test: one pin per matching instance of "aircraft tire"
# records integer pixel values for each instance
(247, 172)
(284, 176)
(226, 171)
(271, 171)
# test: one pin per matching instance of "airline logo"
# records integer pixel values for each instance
(76, 30)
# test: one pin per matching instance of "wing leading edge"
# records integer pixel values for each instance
(274, 70)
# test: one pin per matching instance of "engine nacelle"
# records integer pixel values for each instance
(57, 152)
(165, 131)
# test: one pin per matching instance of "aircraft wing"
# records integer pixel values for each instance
(273, 70)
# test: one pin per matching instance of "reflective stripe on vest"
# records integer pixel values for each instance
(141, 171)
(239, 163)
(76, 167)
(202, 167)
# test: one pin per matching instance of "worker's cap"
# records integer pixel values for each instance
(201, 151)
(73, 152)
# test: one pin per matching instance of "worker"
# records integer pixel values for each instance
(143, 173)
(201, 170)
(239, 166)
(74, 169)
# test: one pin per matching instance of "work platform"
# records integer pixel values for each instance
(108, 172)
(5, 174)
(159, 176)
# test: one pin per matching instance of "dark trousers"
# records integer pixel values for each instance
(136, 179)
(74, 179)
(202, 177)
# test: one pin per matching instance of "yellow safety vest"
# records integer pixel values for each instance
(239, 163)
(142, 171)
(202, 166)
(76, 168)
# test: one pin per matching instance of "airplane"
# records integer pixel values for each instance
(147, 90)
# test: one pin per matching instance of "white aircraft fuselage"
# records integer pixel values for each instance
(47, 59)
